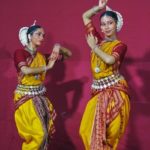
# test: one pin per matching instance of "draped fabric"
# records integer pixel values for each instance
(107, 112)
(34, 114)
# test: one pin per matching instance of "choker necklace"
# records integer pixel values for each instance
(31, 51)
(110, 39)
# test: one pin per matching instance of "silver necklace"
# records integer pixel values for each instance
(31, 51)
(97, 69)
(36, 76)
(107, 39)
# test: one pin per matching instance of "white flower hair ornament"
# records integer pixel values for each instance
(23, 34)
(120, 18)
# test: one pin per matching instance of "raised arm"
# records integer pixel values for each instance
(87, 19)
(89, 27)
(87, 16)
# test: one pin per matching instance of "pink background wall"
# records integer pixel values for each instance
(69, 82)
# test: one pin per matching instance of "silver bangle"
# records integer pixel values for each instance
(94, 10)
(45, 69)
(96, 46)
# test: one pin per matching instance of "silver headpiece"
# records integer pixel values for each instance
(120, 18)
(23, 34)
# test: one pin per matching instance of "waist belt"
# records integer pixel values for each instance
(30, 90)
(105, 82)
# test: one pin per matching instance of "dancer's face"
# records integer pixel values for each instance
(108, 26)
(37, 37)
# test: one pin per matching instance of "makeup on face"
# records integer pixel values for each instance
(108, 25)
(38, 36)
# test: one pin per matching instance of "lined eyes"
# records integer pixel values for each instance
(40, 34)
(107, 23)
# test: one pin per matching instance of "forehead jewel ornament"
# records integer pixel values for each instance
(23, 34)
(120, 18)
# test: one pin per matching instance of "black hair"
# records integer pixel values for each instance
(110, 14)
(32, 29)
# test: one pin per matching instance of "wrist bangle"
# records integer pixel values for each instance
(45, 69)
(96, 46)
(94, 10)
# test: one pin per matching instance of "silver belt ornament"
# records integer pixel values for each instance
(30, 90)
(105, 82)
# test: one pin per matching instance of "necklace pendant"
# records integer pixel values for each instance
(37, 77)
(97, 69)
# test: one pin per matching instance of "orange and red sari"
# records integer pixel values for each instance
(34, 114)
(107, 112)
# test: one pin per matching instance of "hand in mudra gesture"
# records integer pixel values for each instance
(100, 6)
(102, 3)
(54, 55)
(55, 52)
(92, 41)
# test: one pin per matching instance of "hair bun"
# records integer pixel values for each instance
(120, 18)
(23, 36)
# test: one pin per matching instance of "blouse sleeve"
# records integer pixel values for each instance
(19, 59)
(119, 51)
(89, 28)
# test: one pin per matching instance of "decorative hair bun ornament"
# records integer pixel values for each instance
(120, 18)
(23, 34)
(34, 23)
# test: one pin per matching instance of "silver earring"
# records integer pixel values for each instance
(29, 37)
